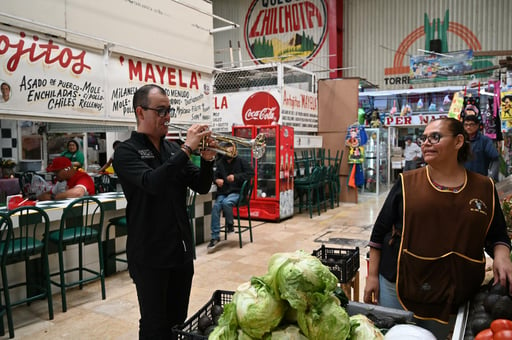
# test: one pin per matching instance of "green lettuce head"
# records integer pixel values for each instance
(290, 332)
(364, 329)
(298, 275)
(227, 325)
(258, 310)
(325, 319)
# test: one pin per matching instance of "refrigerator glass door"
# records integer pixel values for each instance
(267, 166)
(244, 151)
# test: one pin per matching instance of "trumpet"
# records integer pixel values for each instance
(257, 145)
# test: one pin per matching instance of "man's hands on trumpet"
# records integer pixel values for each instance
(200, 136)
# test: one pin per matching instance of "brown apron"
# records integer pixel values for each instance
(441, 262)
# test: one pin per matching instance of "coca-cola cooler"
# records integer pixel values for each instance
(272, 197)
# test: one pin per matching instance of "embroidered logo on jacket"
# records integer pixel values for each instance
(478, 205)
(146, 154)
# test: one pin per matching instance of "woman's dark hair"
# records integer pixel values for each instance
(140, 98)
(456, 127)
(74, 142)
(116, 143)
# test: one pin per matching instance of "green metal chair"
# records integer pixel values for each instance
(336, 177)
(308, 187)
(81, 224)
(5, 307)
(29, 240)
(244, 200)
(335, 164)
(120, 227)
(322, 183)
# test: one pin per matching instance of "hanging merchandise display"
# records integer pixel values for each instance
(393, 109)
(447, 100)
(490, 115)
(406, 110)
(457, 105)
(506, 109)
(355, 141)
(375, 121)
(361, 115)
(471, 106)
(419, 105)
(489, 120)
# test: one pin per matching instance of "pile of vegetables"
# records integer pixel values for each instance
(500, 329)
(490, 311)
(294, 300)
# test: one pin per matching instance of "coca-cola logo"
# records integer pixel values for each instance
(261, 108)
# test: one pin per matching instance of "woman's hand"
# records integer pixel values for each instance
(502, 266)
(371, 290)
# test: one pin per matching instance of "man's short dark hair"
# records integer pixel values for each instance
(472, 118)
(140, 98)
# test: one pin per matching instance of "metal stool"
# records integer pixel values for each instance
(117, 222)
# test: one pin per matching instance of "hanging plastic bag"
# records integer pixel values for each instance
(419, 105)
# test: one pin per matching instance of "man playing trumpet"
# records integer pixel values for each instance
(155, 174)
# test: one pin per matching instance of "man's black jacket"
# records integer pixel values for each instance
(155, 186)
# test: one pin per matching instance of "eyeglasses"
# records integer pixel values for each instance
(470, 124)
(433, 138)
(162, 112)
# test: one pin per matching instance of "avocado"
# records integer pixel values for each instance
(480, 322)
(490, 301)
(217, 311)
(479, 297)
(502, 308)
(208, 330)
(204, 322)
(498, 289)
(477, 308)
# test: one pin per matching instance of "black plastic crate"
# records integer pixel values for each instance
(185, 331)
(343, 263)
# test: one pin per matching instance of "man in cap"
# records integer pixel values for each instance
(77, 183)
(485, 157)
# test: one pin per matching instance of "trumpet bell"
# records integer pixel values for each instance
(257, 145)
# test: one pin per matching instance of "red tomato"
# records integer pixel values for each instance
(486, 334)
(503, 335)
(501, 325)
